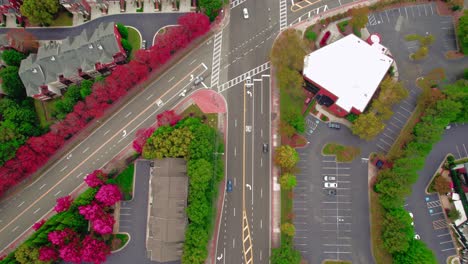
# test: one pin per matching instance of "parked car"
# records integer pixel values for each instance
(330, 185)
(417, 237)
(229, 186)
(198, 80)
(412, 217)
(143, 44)
(265, 148)
(334, 125)
(329, 178)
(331, 192)
(246, 13)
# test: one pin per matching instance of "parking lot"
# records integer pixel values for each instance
(330, 222)
(393, 25)
(432, 226)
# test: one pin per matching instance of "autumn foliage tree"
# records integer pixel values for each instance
(286, 157)
(194, 24)
(94, 250)
(141, 137)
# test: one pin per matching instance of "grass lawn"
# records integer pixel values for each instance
(381, 256)
(44, 111)
(286, 209)
(125, 181)
(119, 241)
(343, 153)
(342, 25)
(134, 39)
(336, 262)
(195, 111)
(64, 18)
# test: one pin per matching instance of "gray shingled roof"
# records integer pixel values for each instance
(54, 59)
(167, 218)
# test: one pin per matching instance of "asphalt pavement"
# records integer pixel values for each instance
(28, 206)
(244, 234)
(429, 221)
(147, 24)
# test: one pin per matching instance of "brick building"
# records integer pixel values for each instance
(345, 74)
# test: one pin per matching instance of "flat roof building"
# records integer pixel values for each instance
(346, 73)
(167, 220)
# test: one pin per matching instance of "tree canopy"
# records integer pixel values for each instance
(12, 84)
(462, 32)
(286, 157)
(13, 57)
(40, 12)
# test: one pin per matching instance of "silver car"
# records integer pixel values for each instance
(329, 178)
(330, 185)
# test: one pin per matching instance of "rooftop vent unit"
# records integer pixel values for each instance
(100, 47)
(52, 58)
(34, 70)
(90, 46)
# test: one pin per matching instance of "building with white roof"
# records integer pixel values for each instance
(345, 74)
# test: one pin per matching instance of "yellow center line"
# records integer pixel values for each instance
(90, 156)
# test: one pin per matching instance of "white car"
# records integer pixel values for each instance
(329, 178)
(417, 237)
(330, 185)
(246, 13)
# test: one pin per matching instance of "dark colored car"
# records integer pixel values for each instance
(229, 186)
(334, 125)
(331, 192)
(379, 164)
(265, 148)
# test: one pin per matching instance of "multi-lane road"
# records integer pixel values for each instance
(235, 63)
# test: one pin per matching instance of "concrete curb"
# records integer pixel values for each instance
(126, 244)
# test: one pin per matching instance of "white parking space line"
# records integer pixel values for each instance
(448, 249)
(445, 242)
(443, 235)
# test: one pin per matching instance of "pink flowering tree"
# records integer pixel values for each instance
(94, 250)
(63, 204)
(91, 211)
(96, 178)
(108, 194)
(104, 225)
(71, 252)
(61, 237)
(48, 254)
(38, 225)
(141, 137)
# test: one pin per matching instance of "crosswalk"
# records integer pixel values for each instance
(236, 3)
(283, 15)
(218, 39)
(223, 87)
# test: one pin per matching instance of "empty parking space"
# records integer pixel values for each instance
(441, 229)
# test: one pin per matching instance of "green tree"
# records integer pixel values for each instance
(85, 88)
(126, 46)
(210, 7)
(286, 157)
(359, 17)
(26, 254)
(13, 57)
(392, 188)
(291, 81)
(12, 84)
(462, 32)
(397, 231)
(40, 12)
(288, 181)
(458, 92)
(417, 252)
(288, 229)
(295, 119)
(288, 51)
(123, 30)
(453, 214)
(367, 126)
(392, 92)
(285, 254)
